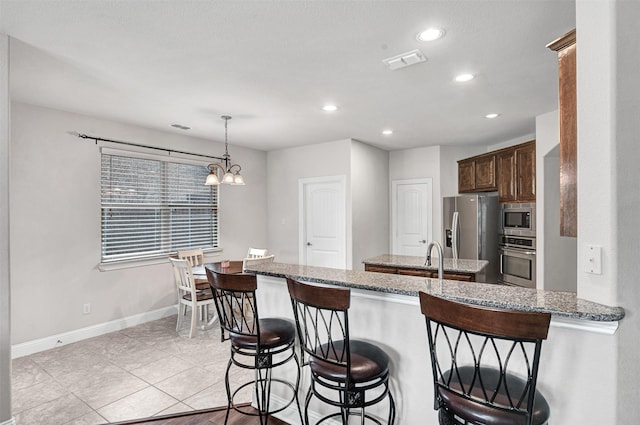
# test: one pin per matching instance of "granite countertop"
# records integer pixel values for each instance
(564, 304)
(414, 262)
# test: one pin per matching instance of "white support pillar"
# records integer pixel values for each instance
(5, 282)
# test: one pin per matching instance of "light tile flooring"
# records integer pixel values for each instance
(142, 371)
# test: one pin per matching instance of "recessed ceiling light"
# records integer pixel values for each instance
(329, 108)
(387, 132)
(492, 116)
(463, 78)
(430, 34)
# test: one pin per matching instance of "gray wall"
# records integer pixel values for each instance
(366, 171)
(370, 202)
(55, 231)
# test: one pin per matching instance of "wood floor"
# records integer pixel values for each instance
(204, 417)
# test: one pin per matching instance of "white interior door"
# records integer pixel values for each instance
(322, 221)
(411, 216)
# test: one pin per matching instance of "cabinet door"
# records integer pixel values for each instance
(486, 173)
(380, 269)
(466, 176)
(526, 169)
(506, 176)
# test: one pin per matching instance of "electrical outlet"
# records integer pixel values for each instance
(86, 309)
(593, 259)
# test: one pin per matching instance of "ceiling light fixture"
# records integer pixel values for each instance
(230, 174)
(463, 78)
(430, 34)
(329, 108)
(492, 116)
(387, 132)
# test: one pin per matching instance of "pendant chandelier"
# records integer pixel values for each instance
(230, 173)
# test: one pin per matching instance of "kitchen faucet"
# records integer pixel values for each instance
(427, 261)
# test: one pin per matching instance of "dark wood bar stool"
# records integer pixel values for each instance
(485, 363)
(346, 373)
(257, 344)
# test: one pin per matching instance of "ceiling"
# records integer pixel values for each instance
(273, 64)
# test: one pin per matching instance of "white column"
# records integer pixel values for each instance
(5, 298)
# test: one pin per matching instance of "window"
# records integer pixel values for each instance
(151, 208)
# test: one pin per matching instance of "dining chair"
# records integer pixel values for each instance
(485, 363)
(256, 253)
(248, 262)
(195, 257)
(188, 294)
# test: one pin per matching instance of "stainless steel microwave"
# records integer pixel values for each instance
(518, 219)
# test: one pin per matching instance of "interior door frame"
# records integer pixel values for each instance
(393, 238)
(302, 212)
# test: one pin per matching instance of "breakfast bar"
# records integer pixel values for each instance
(385, 309)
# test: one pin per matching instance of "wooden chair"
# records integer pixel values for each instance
(258, 344)
(256, 253)
(188, 294)
(195, 257)
(346, 373)
(485, 363)
(248, 262)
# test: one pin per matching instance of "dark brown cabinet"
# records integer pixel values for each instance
(477, 174)
(567, 96)
(433, 274)
(517, 173)
(511, 171)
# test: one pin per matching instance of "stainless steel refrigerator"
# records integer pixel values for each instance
(470, 231)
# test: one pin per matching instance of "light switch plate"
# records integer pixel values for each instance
(593, 259)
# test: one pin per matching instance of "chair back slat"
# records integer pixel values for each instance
(256, 253)
(183, 276)
(195, 257)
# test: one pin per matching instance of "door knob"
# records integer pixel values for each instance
(308, 243)
(423, 241)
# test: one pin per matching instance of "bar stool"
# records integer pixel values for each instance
(345, 373)
(479, 357)
(257, 344)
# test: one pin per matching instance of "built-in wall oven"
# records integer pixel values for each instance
(518, 219)
(517, 261)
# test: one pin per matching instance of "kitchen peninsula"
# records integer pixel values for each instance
(408, 265)
(385, 309)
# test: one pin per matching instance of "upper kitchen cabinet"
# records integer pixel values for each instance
(517, 173)
(477, 174)
(567, 99)
(511, 171)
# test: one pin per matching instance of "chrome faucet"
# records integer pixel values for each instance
(427, 261)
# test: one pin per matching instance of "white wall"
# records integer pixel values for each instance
(556, 255)
(627, 204)
(370, 202)
(55, 230)
(285, 168)
(5, 280)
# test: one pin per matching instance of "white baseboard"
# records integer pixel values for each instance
(11, 421)
(42, 344)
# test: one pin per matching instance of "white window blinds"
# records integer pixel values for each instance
(151, 208)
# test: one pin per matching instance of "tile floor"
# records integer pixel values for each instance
(142, 371)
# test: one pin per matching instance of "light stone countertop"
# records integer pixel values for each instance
(563, 304)
(449, 264)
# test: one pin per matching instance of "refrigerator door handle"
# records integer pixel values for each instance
(456, 234)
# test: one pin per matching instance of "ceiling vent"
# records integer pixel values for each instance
(405, 59)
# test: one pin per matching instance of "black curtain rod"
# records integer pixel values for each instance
(100, 139)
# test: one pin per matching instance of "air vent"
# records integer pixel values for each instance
(405, 59)
(181, 127)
